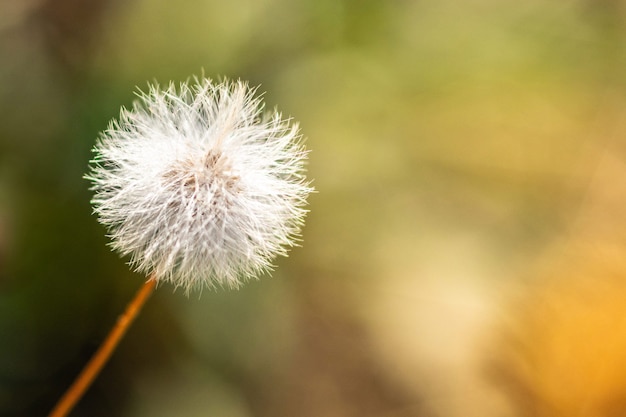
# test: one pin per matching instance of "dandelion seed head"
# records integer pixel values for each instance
(199, 186)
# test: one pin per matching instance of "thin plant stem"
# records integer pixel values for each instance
(98, 360)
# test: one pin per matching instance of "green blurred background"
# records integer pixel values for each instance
(451, 143)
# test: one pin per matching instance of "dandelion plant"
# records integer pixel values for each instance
(199, 187)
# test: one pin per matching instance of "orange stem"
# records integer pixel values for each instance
(97, 361)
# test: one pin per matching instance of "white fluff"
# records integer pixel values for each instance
(198, 186)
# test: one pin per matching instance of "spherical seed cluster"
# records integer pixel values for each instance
(198, 185)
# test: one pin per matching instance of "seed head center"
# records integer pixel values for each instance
(213, 173)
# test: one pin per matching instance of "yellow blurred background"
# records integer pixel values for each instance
(462, 256)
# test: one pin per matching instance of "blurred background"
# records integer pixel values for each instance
(463, 254)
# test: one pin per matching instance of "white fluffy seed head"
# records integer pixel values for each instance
(198, 185)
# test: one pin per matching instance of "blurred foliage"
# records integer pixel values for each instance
(451, 143)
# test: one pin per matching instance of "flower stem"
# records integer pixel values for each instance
(97, 361)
